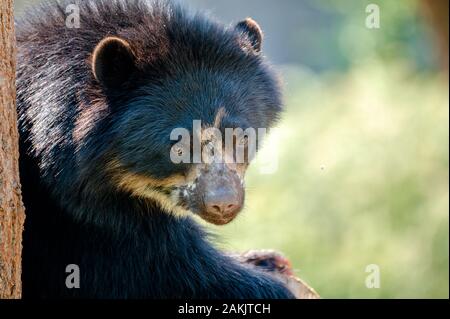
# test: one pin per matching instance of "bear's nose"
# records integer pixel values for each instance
(224, 202)
(220, 194)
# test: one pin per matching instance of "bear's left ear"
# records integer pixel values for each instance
(251, 29)
(113, 61)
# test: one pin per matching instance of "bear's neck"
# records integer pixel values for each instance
(121, 247)
(128, 250)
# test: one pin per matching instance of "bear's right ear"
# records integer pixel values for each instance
(113, 61)
(252, 31)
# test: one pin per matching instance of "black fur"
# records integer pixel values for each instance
(71, 126)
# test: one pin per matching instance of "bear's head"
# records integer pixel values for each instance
(187, 106)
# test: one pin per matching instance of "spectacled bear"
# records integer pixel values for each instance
(97, 103)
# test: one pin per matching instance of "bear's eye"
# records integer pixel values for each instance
(178, 150)
(243, 140)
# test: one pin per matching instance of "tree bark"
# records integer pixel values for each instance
(11, 207)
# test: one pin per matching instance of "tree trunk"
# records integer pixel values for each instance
(11, 207)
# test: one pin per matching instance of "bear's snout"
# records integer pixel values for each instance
(221, 194)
